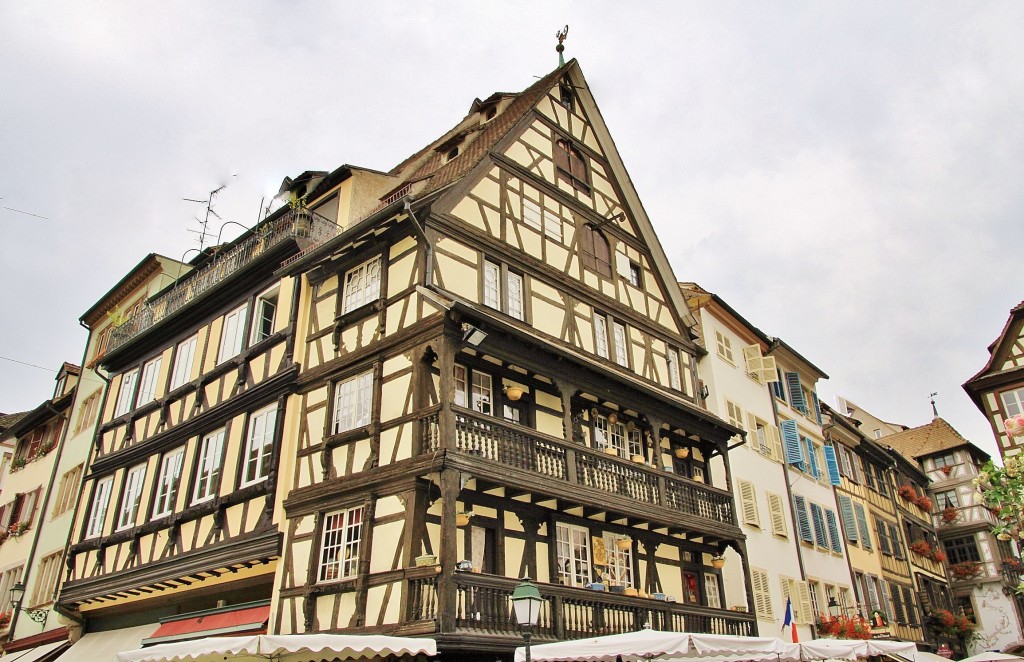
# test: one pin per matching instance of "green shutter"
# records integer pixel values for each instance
(833, 530)
(796, 393)
(849, 521)
(803, 523)
(794, 455)
(862, 526)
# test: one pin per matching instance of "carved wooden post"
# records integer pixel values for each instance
(449, 551)
(741, 549)
(446, 364)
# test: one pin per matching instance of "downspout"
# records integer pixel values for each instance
(428, 276)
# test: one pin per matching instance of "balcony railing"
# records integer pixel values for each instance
(482, 606)
(302, 224)
(528, 450)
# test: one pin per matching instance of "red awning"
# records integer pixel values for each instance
(250, 620)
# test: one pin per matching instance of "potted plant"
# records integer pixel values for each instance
(717, 561)
(925, 504)
(462, 519)
(639, 459)
(965, 569)
(425, 560)
(906, 493)
(949, 515)
(610, 450)
(947, 470)
(938, 556)
(682, 452)
(921, 548)
(624, 543)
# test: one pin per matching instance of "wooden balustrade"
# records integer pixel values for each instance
(482, 606)
(528, 450)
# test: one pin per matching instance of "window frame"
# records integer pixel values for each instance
(348, 566)
(208, 472)
(146, 389)
(503, 289)
(268, 297)
(260, 439)
(181, 369)
(126, 395)
(236, 321)
(580, 571)
(131, 496)
(99, 507)
(367, 291)
(353, 395)
(171, 484)
(571, 165)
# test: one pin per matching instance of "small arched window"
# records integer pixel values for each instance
(571, 165)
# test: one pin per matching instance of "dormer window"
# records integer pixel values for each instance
(490, 114)
(452, 153)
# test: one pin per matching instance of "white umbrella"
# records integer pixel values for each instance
(991, 657)
(281, 648)
(663, 646)
(886, 647)
(828, 649)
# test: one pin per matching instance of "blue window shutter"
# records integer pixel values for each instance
(832, 465)
(862, 526)
(849, 521)
(794, 455)
(796, 393)
(820, 537)
(833, 530)
(777, 388)
(817, 408)
(803, 523)
(812, 458)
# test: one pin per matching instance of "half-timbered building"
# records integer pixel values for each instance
(982, 570)
(497, 380)
(998, 388)
(176, 514)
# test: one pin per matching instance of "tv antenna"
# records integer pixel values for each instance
(204, 224)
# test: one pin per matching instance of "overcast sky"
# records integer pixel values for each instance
(848, 176)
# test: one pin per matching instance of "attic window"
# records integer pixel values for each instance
(567, 99)
(491, 112)
(452, 153)
(571, 165)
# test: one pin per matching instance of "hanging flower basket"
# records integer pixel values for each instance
(950, 515)
(965, 570)
(907, 493)
(938, 556)
(921, 548)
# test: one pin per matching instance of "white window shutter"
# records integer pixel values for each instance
(622, 265)
(748, 500)
(805, 602)
(769, 371)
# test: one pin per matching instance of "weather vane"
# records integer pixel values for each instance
(560, 36)
(935, 411)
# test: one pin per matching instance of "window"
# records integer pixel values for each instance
(636, 280)
(537, 215)
(620, 340)
(800, 595)
(724, 346)
(46, 580)
(617, 435)
(778, 515)
(133, 482)
(778, 390)
(147, 386)
(595, 253)
(482, 393)
(100, 503)
(58, 390)
(571, 165)
(67, 491)
(711, 592)
(735, 414)
(764, 438)
(263, 315)
(7, 581)
(814, 589)
(353, 398)
(259, 445)
(600, 335)
(511, 300)
(167, 482)
(619, 565)
(126, 396)
(962, 550)
(818, 519)
(208, 470)
(947, 460)
(31, 443)
(947, 499)
(572, 555)
(1013, 402)
(362, 285)
(339, 545)
(748, 503)
(183, 356)
(762, 594)
(761, 369)
(674, 378)
(232, 335)
(87, 412)
(565, 96)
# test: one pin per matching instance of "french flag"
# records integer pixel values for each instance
(790, 621)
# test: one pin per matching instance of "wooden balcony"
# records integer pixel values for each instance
(554, 467)
(483, 611)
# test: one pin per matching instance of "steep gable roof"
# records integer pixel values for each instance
(935, 437)
(997, 352)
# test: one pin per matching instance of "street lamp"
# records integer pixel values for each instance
(833, 607)
(17, 594)
(526, 603)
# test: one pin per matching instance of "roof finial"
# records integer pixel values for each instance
(561, 35)
(935, 412)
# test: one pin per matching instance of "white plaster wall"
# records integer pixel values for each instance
(997, 619)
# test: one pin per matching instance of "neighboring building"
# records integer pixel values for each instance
(867, 423)
(29, 561)
(983, 570)
(998, 389)
(738, 378)
(876, 545)
(177, 519)
(497, 380)
(813, 471)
